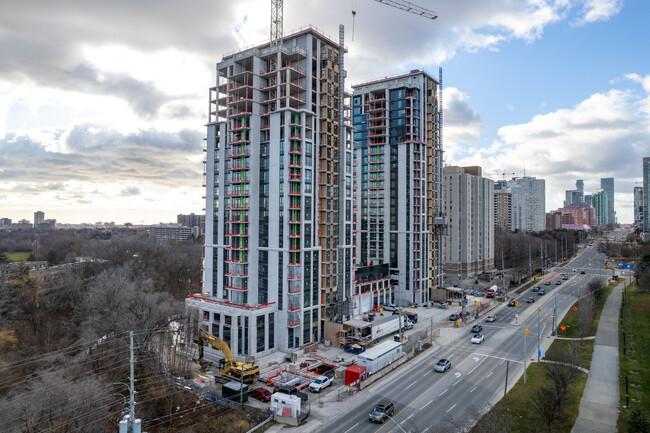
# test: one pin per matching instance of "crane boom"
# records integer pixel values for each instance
(410, 7)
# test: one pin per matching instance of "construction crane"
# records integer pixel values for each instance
(410, 7)
(277, 19)
(503, 173)
(227, 365)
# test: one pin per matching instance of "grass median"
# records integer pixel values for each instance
(635, 362)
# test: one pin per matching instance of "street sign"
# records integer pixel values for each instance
(575, 308)
(563, 327)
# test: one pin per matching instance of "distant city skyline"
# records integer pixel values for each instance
(101, 116)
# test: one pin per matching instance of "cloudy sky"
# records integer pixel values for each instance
(102, 103)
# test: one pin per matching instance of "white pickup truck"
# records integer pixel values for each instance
(320, 383)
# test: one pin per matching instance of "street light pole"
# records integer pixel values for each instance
(525, 355)
(391, 418)
(538, 333)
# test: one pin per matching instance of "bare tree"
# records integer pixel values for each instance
(116, 302)
(548, 404)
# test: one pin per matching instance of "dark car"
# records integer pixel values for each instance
(541, 293)
(382, 411)
(536, 289)
(262, 394)
(454, 317)
(565, 278)
(511, 303)
(558, 282)
(530, 300)
(582, 272)
(477, 328)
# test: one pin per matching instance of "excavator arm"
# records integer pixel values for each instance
(217, 344)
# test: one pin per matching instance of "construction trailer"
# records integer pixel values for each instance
(235, 391)
(380, 356)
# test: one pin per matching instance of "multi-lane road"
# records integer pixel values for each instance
(424, 398)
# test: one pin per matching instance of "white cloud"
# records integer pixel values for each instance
(599, 10)
(606, 135)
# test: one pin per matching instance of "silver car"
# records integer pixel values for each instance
(443, 365)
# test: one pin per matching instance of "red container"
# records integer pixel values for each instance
(355, 373)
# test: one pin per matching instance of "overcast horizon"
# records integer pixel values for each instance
(103, 104)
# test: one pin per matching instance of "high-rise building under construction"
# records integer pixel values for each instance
(279, 172)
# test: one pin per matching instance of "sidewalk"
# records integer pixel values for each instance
(599, 403)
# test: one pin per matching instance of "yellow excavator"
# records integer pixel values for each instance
(227, 365)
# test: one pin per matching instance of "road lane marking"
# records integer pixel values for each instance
(430, 401)
(427, 390)
(426, 373)
(351, 428)
(411, 385)
(451, 408)
(457, 382)
(473, 389)
(489, 374)
(407, 418)
(477, 365)
(443, 392)
(502, 361)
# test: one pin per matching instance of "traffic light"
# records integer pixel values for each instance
(516, 303)
(457, 322)
(540, 310)
(526, 331)
(475, 302)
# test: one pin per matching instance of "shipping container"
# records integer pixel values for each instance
(355, 373)
(380, 356)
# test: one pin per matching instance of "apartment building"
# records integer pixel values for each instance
(578, 214)
(469, 244)
(607, 183)
(502, 206)
(645, 167)
(278, 256)
(600, 202)
(638, 206)
(400, 212)
(528, 210)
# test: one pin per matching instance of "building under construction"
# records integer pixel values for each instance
(278, 232)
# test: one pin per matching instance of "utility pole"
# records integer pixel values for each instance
(503, 275)
(541, 256)
(555, 315)
(530, 262)
(399, 308)
(525, 355)
(505, 390)
(132, 388)
(555, 242)
(431, 334)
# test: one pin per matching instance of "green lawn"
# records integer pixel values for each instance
(524, 416)
(635, 364)
(17, 257)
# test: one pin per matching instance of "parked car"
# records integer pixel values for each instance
(536, 288)
(530, 300)
(491, 318)
(262, 394)
(442, 365)
(478, 339)
(382, 411)
(454, 317)
(541, 293)
(479, 294)
(511, 303)
(390, 307)
(477, 328)
(320, 383)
